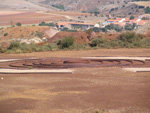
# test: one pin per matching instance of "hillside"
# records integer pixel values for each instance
(19, 5)
(121, 7)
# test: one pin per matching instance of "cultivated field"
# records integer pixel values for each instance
(34, 17)
(87, 90)
(143, 3)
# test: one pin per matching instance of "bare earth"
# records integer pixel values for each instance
(25, 17)
(87, 90)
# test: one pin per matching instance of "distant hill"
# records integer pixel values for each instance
(119, 7)
(19, 5)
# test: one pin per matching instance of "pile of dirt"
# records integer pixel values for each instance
(109, 35)
(80, 37)
(147, 34)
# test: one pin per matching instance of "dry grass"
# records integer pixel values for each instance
(143, 3)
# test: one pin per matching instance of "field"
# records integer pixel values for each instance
(143, 3)
(87, 90)
(33, 17)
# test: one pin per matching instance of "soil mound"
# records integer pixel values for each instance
(80, 37)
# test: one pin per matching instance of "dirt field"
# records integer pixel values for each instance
(27, 18)
(143, 3)
(87, 90)
(33, 17)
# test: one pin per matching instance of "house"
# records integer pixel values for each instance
(74, 25)
(145, 16)
(115, 20)
(123, 21)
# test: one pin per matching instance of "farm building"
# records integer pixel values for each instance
(123, 21)
(74, 25)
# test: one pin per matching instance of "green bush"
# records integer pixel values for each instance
(68, 30)
(18, 24)
(96, 29)
(147, 10)
(17, 47)
(99, 42)
(6, 34)
(130, 37)
(46, 24)
(66, 42)
(59, 7)
(39, 34)
(114, 27)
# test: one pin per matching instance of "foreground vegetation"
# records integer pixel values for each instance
(124, 40)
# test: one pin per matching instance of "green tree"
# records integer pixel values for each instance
(66, 42)
(96, 11)
(147, 10)
(12, 23)
(18, 24)
(132, 17)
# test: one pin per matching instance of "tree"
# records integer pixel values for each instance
(66, 42)
(128, 27)
(12, 23)
(132, 17)
(147, 10)
(18, 24)
(96, 11)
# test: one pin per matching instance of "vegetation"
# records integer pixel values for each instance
(114, 27)
(59, 7)
(6, 34)
(147, 10)
(68, 30)
(95, 12)
(145, 18)
(17, 47)
(65, 43)
(39, 34)
(1, 28)
(132, 17)
(129, 27)
(125, 40)
(18, 24)
(96, 29)
(46, 24)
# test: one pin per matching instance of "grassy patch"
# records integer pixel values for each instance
(17, 47)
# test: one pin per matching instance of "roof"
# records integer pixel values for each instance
(119, 23)
(115, 20)
(67, 23)
(142, 22)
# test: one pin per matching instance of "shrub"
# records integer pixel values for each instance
(130, 37)
(59, 7)
(129, 27)
(96, 29)
(6, 34)
(18, 24)
(132, 17)
(39, 34)
(46, 24)
(99, 42)
(147, 10)
(66, 42)
(15, 45)
(114, 27)
(1, 28)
